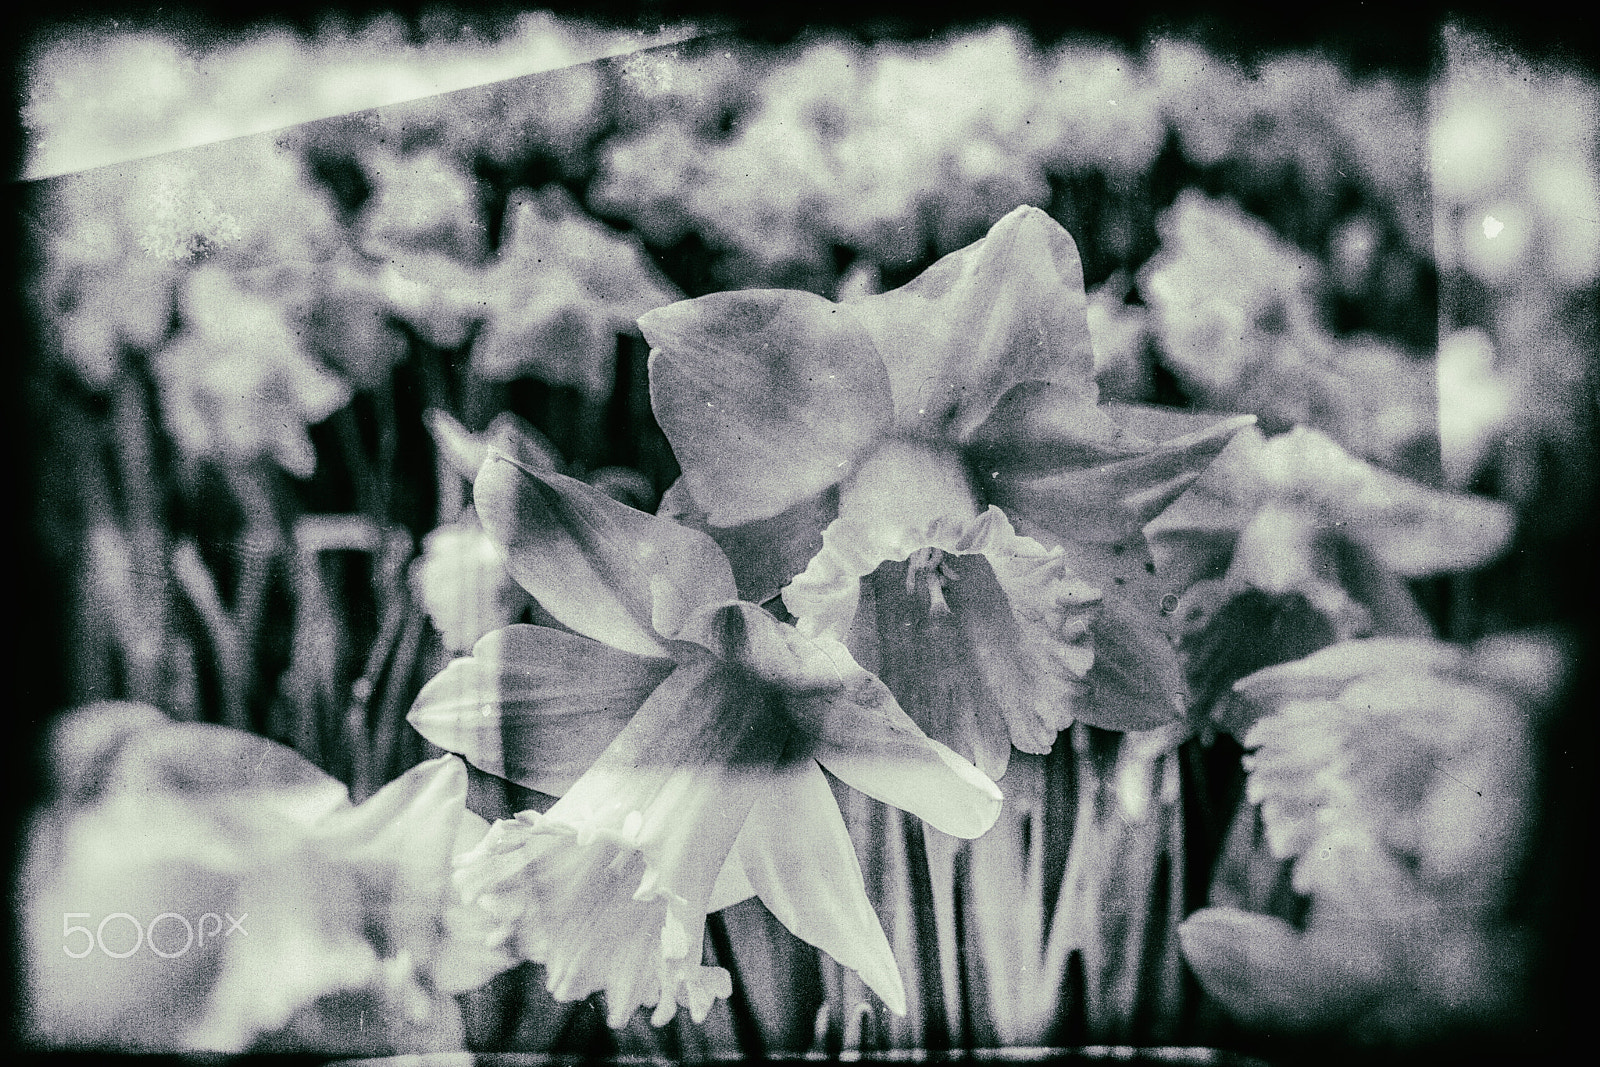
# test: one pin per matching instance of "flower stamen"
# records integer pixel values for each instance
(928, 565)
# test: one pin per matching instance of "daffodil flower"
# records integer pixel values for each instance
(1234, 309)
(682, 730)
(1413, 751)
(559, 290)
(238, 900)
(238, 381)
(1393, 773)
(105, 294)
(461, 581)
(1321, 541)
(425, 200)
(915, 431)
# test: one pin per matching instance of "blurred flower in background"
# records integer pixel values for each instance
(1236, 314)
(102, 296)
(560, 290)
(886, 151)
(964, 105)
(1123, 343)
(94, 98)
(331, 927)
(1516, 176)
(1514, 168)
(1397, 775)
(1227, 295)
(1098, 109)
(1288, 543)
(461, 579)
(237, 382)
(424, 200)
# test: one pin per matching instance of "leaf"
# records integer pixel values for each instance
(1136, 682)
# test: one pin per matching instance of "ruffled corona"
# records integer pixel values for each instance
(1050, 609)
(592, 909)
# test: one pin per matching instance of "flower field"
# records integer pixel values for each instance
(858, 543)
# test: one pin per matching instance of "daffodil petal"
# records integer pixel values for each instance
(1193, 539)
(208, 760)
(1420, 531)
(466, 451)
(413, 827)
(614, 268)
(412, 820)
(767, 553)
(1136, 682)
(534, 704)
(768, 397)
(86, 743)
(1157, 422)
(1038, 428)
(609, 889)
(1008, 308)
(866, 740)
(1324, 674)
(554, 331)
(599, 566)
(927, 660)
(744, 635)
(732, 884)
(1027, 623)
(818, 678)
(798, 855)
(461, 580)
(513, 435)
(1408, 527)
(588, 909)
(1099, 495)
(1267, 974)
(1250, 631)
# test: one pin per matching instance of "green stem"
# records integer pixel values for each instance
(362, 476)
(746, 1030)
(388, 673)
(145, 651)
(232, 669)
(930, 976)
(319, 646)
(397, 697)
(81, 479)
(436, 395)
(480, 400)
(260, 544)
(388, 446)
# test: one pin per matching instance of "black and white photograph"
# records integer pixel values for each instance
(660, 534)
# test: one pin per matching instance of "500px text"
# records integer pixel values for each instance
(177, 934)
